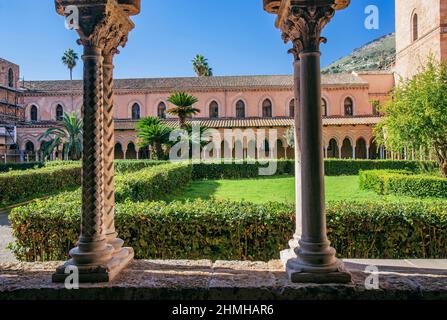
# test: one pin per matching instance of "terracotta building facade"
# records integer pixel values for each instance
(244, 102)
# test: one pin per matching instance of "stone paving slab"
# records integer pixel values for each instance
(5, 238)
(221, 280)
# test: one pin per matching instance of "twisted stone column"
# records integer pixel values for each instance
(109, 154)
(99, 255)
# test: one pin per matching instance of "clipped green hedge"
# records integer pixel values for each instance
(338, 167)
(152, 182)
(403, 183)
(46, 230)
(121, 166)
(5, 167)
(20, 185)
(333, 167)
(220, 170)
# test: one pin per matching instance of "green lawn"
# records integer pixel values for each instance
(273, 189)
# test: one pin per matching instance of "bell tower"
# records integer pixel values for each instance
(421, 31)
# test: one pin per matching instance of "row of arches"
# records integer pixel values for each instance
(349, 150)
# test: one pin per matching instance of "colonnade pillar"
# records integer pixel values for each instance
(301, 22)
(103, 27)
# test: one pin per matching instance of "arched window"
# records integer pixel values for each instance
(349, 107)
(267, 108)
(10, 78)
(33, 113)
(292, 108)
(323, 107)
(214, 110)
(161, 110)
(415, 28)
(59, 113)
(240, 109)
(29, 147)
(135, 111)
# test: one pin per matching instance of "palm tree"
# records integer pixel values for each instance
(70, 59)
(152, 132)
(184, 107)
(201, 67)
(69, 136)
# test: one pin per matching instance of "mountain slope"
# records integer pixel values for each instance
(379, 54)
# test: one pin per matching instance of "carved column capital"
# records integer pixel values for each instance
(303, 25)
(110, 30)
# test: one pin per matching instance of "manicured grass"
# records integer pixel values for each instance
(274, 189)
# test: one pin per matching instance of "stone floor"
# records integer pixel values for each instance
(221, 280)
(5, 238)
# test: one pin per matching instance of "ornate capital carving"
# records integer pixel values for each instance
(110, 30)
(303, 26)
(104, 24)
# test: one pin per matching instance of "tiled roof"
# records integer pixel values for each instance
(195, 83)
(123, 124)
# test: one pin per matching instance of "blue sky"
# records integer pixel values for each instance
(237, 37)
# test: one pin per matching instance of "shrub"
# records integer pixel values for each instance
(338, 167)
(127, 166)
(46, 230)
(404, 183)
(20, 185)
(220, 170)
(5, 167)
(152, 182)
(333, 167)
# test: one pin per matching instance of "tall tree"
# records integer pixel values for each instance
(69, 59)
(416, 116)
(183, 107)
(152, 132)
(68, 136)
(201, 66)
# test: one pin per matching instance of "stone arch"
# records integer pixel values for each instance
(324, 107)
(348, 105)
(266, 107)
(213, 109)
(290, 108)
(239, 105)
(161, 109)
(414, 26)
(32, 112)
(361, 149)
(119, 154)
(136, 111)
(131, 151)
(347, 148)
(11, 78)
(130, 106)
(333, 150)
(59, 112)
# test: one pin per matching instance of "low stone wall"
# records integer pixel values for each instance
(222, 280)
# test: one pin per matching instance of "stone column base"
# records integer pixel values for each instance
(299, 273)
(287, 255)
(96, 273)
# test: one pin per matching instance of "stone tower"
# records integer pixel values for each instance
(421, 30)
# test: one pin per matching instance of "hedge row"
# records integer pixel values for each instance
(403, 183)
(333, 167)
(152, 182)
(46, 230)
(121, 166)
(5, 167)
(21, 185)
